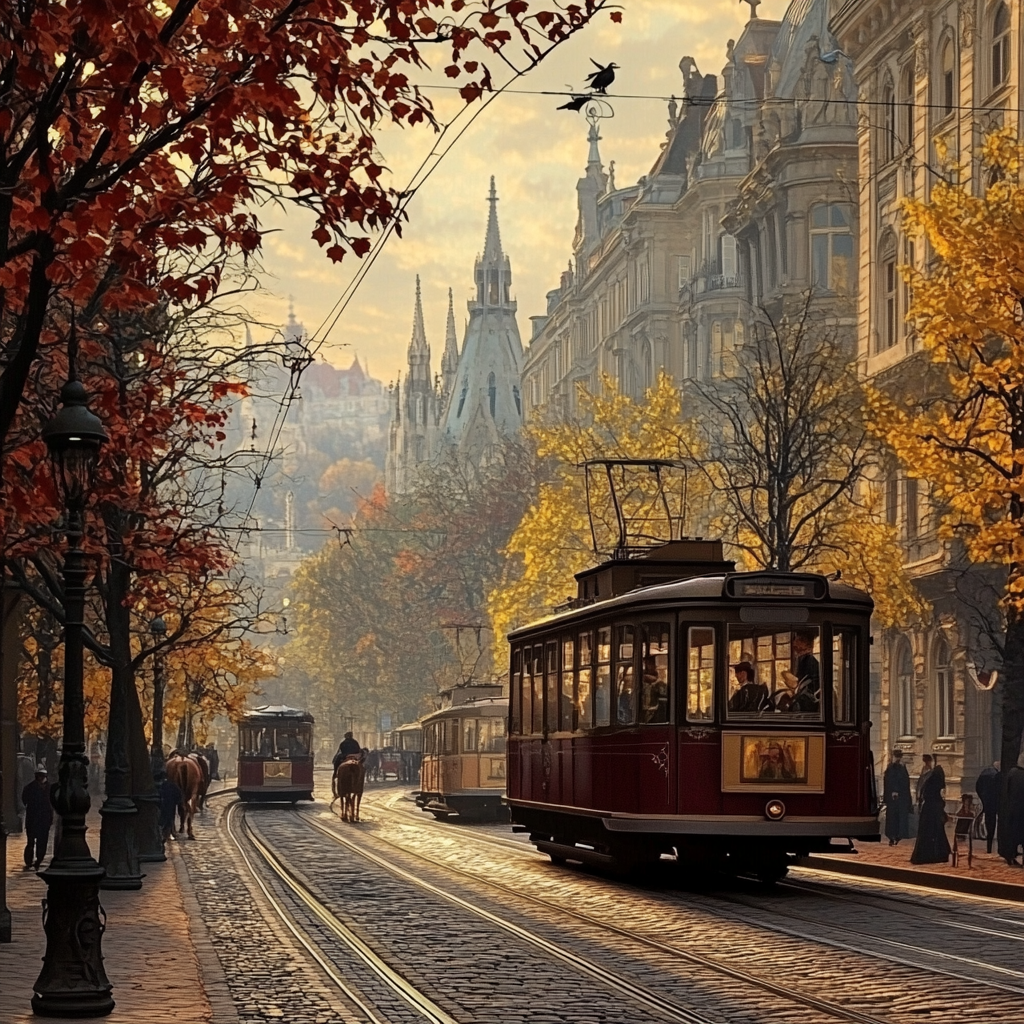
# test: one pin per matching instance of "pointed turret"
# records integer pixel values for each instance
(484, 403)
(493, 272)
(589, 189)
(450, 359)
(419, 349)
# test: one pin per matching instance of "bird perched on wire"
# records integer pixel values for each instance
(601, 78)
(575, 103)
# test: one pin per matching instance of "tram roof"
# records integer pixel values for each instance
(277, 711)
(711, 590)
(470, 706)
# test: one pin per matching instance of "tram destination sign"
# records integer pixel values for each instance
(773, 590)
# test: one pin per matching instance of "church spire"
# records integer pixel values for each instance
(493, 271)
(418, 345)
(450, 359)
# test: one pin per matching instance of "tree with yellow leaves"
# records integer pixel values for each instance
(784, 445)
(967, 439)
(554, 539)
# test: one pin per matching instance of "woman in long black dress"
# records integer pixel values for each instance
(932, 846)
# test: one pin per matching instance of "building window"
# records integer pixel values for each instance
(888, 123)
(907, 106)
(1000, 46)
(946, 723)
(831, 248)
(492, 394)
(904, 688)
(947, 83)
(685, 266)
(727, 260)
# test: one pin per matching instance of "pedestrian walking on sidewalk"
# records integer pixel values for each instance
(989, 788)
(38, 818)
(170, 798)
(932, 846)
(1011, 827)
(896, 787)
(926, 770)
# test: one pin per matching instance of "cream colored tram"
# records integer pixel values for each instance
(463, 767)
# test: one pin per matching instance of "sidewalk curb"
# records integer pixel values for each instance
(211, 972)
(921, 879)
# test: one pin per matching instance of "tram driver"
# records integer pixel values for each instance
(805, 679)
(750, 696)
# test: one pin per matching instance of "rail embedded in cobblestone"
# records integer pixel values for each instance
(401, 986)
(636, 993)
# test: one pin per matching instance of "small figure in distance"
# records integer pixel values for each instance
(989, 788)
(603, 77)
(896, 789)
(38, 818)
(751, 697)
(347, 748)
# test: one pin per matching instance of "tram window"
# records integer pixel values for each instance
(517, 691)
(844, 660)
(538, 689)
(248, 744)
(625, 676)
(537, 722)
(654, 639)
(700, 675)
(526, 702)
(781, 672)
(492, 736)
(551, 682)
(603, 682)
(449, 736)
(584, 682)
(565, 701)
(469, 735)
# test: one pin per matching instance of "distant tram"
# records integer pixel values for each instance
(407, 742)
(463, 766)
(679, 707)
(275, 754)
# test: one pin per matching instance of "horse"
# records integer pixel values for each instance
(204, 768)
(347, 785)
(186, 774)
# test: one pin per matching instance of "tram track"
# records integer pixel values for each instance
(404, 989)
(788, 993)
(903, 954)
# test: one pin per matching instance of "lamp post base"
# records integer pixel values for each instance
(72, 982)
(119, 853)
(151, 841)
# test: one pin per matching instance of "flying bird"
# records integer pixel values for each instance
(832, 56)
(601, 78)
(576, 103)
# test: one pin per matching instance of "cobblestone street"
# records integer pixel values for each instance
(401, 918)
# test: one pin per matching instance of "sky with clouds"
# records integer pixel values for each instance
(536, 154)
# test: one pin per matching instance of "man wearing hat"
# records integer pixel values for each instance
(896, 789)
(750, 697)
(38, 818)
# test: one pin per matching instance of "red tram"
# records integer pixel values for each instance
(681, 707)
(275, 754)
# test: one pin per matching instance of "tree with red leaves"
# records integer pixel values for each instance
(137, 138)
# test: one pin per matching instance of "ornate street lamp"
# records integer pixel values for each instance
(151, 836)
(72, 981)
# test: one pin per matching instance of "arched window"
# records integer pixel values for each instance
(947, 80)
(903, 690)
(946, 723)
(1000, 45)
(889, 311)
(888, 123)
(907, 106)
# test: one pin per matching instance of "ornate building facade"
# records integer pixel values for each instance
(948, 69)
(752, 201)
(475, 402)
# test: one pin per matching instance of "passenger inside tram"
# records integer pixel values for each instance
(785, 666)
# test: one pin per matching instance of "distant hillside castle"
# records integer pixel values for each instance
(475, 402)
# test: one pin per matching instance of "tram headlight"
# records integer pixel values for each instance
(775, 810)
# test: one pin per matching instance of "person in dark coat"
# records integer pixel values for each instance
(346, 748)
(989, 788)
(1011, 828)
(751, 697)
(170, 798)
(807, 672)
(38, 818)
(932, 846)
(896, 789)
